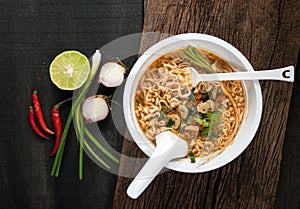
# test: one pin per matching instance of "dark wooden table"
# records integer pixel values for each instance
(266, 175)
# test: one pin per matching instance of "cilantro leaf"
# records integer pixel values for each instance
(205, 131)
(170, 122)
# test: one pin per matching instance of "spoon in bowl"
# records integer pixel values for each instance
(282, 74)
(168, 147)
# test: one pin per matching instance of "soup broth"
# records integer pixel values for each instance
(207, 116)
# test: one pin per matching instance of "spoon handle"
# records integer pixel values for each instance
(283, 74)
(145, 176)
(168, 147)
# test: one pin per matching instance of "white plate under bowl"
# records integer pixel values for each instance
(227, 52)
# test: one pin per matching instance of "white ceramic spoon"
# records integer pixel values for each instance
(168, 147)
(282, 74)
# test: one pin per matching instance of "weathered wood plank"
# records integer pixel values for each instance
(288, 192)
(265, 31)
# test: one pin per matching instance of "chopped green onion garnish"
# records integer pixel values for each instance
(164, 109)
(162, 115)
(170, 122)
(192, 157)
(189, 120)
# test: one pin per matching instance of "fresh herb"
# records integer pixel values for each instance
(192, 157)
(164, 109)
(162, 115)
(194, 110)
(208, 115)
(188, 104)
(215, 117)
(193, 55)
(170, 122)
(204, 97)
(203, 122)
(189, 120)
(214, 131)
(181, 130)
(137, 101)
(206, 124)
(192, 97)
(210, 123)
(205, 131)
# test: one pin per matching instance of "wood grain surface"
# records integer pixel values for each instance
(266, 33)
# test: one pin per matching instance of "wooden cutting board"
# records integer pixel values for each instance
(265, 32)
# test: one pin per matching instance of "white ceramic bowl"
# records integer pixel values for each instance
(227, 52)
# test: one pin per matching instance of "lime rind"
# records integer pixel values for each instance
(69, 70)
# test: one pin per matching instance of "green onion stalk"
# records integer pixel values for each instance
(58, 158)
(80, 126)
(81, 130)
(193, 55)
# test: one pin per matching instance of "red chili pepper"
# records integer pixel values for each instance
(39, 112)
(56, 120)
(57, 128)
(201, 127)
(33, 124)
(198, 97)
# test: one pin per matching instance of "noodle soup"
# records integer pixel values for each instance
(207, 116)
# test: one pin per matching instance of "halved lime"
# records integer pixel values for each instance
(69, 70)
